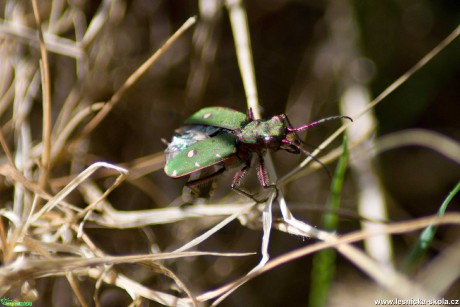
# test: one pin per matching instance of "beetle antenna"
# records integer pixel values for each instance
(311, 156)
(290, 129)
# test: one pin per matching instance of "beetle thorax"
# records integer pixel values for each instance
(261, 135)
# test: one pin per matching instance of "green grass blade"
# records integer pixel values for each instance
(324, 261)
(330, 219)
(427, 235)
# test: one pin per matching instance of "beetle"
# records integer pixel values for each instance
(226, 138)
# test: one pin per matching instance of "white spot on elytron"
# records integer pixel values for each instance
(207, 115)
(218, 156)
(191, 153)
(174, 173)
(197, 164)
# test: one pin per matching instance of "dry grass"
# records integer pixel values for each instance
(88, 218)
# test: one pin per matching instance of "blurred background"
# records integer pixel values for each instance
(306, 53)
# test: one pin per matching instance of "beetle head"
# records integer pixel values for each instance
(292, 142)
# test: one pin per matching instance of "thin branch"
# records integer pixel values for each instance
(427, 58)
(134, 77)
(46, 85)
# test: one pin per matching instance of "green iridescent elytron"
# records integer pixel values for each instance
(223, 137)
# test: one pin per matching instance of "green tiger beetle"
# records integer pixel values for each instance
(223, 137)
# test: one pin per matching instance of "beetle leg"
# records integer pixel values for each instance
(263, 177)
(240, 175)
(165, 141)
(250, 115)
(201, 187)
(237, 181)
